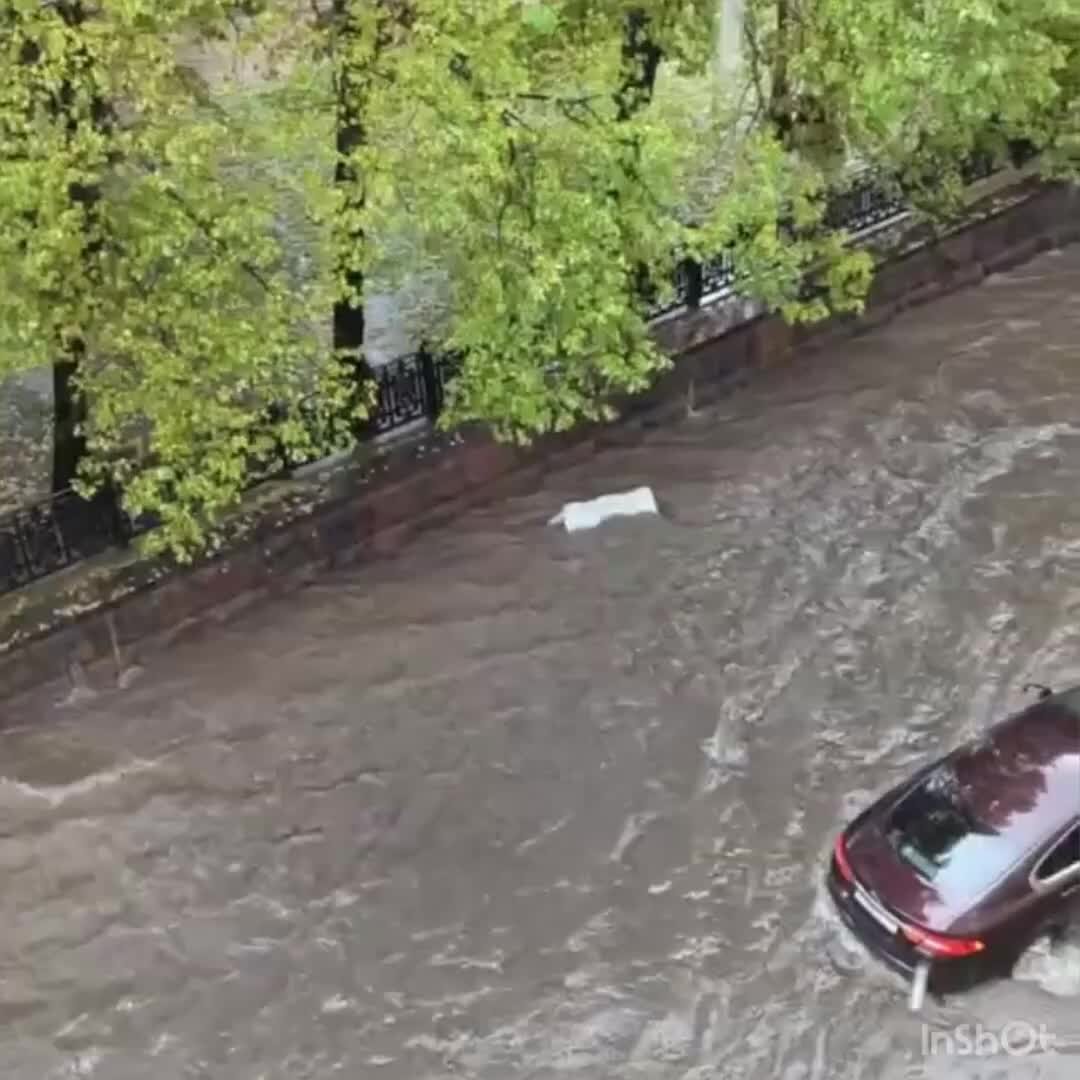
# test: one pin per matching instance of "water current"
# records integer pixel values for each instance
(518, 805)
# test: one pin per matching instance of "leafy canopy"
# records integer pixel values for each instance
(178, 278)
(499, 147)
(526, 156)
(913, 86)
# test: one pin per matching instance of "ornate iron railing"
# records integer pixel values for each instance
(57, 532)
(864, 203)
(410, 389)
(47, 536)
(54, 533)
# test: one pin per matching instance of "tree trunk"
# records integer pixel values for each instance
(69, 414)
(641, 61)
(69, 403)
(348, 318)
(780, 104)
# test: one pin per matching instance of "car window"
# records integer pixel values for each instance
(935, 832)
(1065, 856)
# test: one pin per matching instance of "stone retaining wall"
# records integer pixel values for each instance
(98, 620)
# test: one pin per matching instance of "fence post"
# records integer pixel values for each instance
(275, 414)
(120, 525)
(429, 379)
(22, 550)
(693, 279)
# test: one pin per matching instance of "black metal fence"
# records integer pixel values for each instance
(410, 389)
(864, 203)
(57, 532)
(46, 536)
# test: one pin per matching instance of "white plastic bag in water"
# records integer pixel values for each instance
(576, 516)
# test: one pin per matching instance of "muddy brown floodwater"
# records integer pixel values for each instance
(518, 805)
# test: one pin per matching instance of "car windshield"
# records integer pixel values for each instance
(935, 832)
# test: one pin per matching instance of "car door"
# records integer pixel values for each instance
(1056, 877)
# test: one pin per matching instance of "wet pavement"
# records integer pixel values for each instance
(518, 804)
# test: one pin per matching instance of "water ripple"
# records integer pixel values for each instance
(519, 804)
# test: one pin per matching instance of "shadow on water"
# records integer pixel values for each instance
(518, 804)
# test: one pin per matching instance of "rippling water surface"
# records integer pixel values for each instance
(518, 804)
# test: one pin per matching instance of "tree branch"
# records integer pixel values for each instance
(253, 272)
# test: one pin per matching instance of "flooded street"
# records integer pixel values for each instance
(519, 805)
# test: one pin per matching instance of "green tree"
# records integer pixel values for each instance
(359, 37)
(539, 174)
(94, 115)
(907, 87)
(196, 249)
(1057, 129)
(139, 239)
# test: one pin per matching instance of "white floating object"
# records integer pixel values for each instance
(575, 516)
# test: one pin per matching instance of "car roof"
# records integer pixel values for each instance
(1023, 777)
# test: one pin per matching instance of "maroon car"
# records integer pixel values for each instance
(963, 866)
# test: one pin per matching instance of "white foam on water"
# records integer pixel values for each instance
(58, 794)
(1053, 968)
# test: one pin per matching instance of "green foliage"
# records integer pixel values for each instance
(1058, 126)
(491, 156)
(770, 219)
(914, 87)
(544, 210)
(529, 204)
(192, 321)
